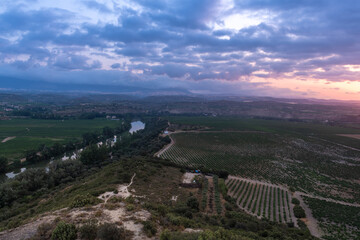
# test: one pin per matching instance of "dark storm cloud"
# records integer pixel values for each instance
(178, 40)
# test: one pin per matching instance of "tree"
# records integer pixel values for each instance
(3, 164)
(93, 155)
(108, 132)
(295, 201)
(89, 138)
(299, 212)
(31, 156)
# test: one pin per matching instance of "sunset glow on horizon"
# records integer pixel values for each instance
(280, 48)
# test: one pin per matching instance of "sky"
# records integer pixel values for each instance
(276, 48)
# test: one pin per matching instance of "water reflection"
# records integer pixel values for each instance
(136, 126)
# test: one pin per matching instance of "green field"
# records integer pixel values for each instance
(31, 133)
(281, 152)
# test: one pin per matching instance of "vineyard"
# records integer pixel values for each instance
(262, 199)
(229, 151)
(279, 159)
(278, 152)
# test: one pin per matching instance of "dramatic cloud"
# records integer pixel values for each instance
(254, 47)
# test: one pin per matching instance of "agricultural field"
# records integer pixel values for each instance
(311, 160)
(262, 199)
(280, 159)
(338, 221)
(29, 134)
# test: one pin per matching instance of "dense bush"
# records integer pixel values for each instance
(193, 203)
(83, 200)
(149, 228)
(44, 231)
(3, 164)
(299, 212)
(110, 231)
(295, 201)
(88, 231)
(64, 231)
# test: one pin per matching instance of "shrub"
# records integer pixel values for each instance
(193, 203)
(299, 212)
(130, 207)
(109, 231)
(44, 231)
(149, 228)
(188, 214)
(295, 201)
(83, 200)
(88, 231)
(64, 231)
(222, 187)
(3, 164)
(165, 235)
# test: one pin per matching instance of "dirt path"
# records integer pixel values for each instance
(25, 231)
(310, 221)
(8, 139)
(276, 205)
(263, 202)
(259, 182)
(253, 200)
(272, 217)
(241, 193)
(284, 209)
(166, 147)
(267, 208)
(258, 201)
(123, 191)
(293, 218)
(248, 203)
(237, 189)
(327, 199)
(211, 197)
(286, 206)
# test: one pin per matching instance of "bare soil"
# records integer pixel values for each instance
(8, 139)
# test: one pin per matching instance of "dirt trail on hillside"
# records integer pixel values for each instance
(26, 231)
(310, 221)
(123, 191)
